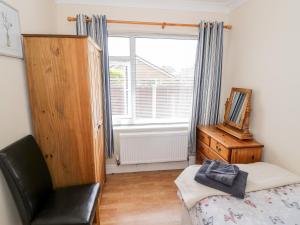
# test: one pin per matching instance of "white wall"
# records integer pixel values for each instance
(36, 17)
(264, 56)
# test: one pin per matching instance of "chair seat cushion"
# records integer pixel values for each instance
(69, 206)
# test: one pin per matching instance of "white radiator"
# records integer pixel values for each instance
(153, 147)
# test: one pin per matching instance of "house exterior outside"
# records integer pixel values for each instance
(157, 91)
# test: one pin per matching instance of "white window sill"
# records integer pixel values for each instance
(150, 127)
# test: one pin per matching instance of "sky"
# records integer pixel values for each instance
(176, 53)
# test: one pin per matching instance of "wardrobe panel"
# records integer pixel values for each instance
(59, 89)
(96, 101)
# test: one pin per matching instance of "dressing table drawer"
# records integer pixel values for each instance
(246, 155)
(209, 153)
(204, 138)
(201, 158)
(220, 149)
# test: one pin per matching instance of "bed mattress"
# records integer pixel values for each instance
(279, 205)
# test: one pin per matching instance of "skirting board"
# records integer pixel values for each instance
(113, 168)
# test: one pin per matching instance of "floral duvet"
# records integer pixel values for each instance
(267, 207)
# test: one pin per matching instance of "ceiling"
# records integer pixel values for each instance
(224, 6)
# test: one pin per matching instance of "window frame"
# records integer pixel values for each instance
(124, 60)
(131, 119)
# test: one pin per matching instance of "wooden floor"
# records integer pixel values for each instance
(147, 198)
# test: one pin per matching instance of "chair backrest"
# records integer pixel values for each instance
(27, 176)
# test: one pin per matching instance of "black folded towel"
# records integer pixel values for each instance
(222, 172)
(237, 189)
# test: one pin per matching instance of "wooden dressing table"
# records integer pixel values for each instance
(213, 143)
(231, 141)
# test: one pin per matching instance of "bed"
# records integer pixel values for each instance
(272, 197)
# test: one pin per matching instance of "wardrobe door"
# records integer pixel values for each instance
(60, 105)
(97, 110)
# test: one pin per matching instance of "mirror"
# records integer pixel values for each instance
(237, 114)
(238, 107)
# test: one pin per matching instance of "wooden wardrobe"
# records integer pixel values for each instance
(65, 89)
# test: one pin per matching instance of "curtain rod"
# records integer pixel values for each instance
(162, 24)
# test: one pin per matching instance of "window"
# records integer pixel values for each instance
(151, 79)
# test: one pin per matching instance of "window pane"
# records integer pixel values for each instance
(164, 79)
(119, 74)
(118, 46)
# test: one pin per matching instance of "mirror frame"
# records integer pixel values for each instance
(244, 124)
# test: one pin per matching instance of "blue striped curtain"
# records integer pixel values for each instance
(97, 29)
(207, 79)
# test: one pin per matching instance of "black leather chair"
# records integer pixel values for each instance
(30, 183)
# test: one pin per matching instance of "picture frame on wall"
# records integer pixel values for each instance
(10, 31)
